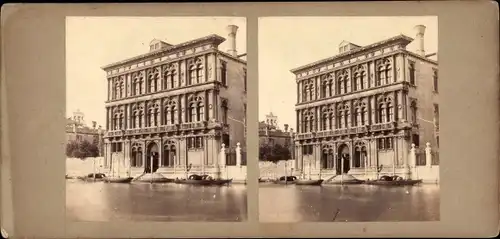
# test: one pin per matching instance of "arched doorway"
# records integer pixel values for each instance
(136, 157)
(359, 156)
(169, 154)
(343, 159)
(152, 155)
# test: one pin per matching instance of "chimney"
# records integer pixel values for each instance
(232, 29)
(286, 127)
(420, 31)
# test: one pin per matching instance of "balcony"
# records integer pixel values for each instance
(158, 129)
(348, 131)
(383, 126)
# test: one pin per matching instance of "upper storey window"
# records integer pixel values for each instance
(385, 110)
(223, 72)
(343, 115)
(137, 83)
(170, 113)
(118, 87)
(195, 72)
(359, 78)
(308, 90)
(343, 83)
(196, 109)
(384, 75)
(170, 77)
(153, 76)
(327, 86)
(412, 73)
(307, 121)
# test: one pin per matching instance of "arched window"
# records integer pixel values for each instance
(155, 116)
(304, 93)
(173, 115)
(340, 85)
(380, 76)
(173, 81)
(381, 113)
(347, 83)
(357, 117)
(135, 86)
(200, 112)
(192, 75)
(347, 118)
(311, 91)
(133, 119)
(357, 81)
(115, 121)
(167, 80)
(306, 124)
(120, 121)
(152, 83)
(192, 112)
(199, 73)
(140, 84)
(122, 89)
(150, 117)
(330, 121)
(139, 119)
(311, 123)
(324, 121)
(364, 116)
(117, 90)
(388, 74)
(390, 112)
(331, 90)
(340, 118)
(166, 115)
(324, 89)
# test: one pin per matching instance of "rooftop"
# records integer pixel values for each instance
(213, 38)
(403, 39)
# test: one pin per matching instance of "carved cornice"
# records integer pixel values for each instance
(210, 39)
(397, 40)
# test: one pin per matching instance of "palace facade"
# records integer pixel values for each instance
(360, 112)
(175, 107)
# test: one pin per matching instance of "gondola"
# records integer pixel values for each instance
(118, 180)
(344, 179)
(91, 177)
(203, 180)
(309, 182)
(286, 180)
(393, 181)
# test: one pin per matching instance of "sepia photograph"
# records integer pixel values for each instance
(156, 119)
(349, 119)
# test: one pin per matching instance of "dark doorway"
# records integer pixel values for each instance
(152, 155)
(343, 157)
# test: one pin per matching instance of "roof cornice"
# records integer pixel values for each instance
(214, 39)
(402, 39)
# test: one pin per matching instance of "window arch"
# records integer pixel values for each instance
(170, 77)
(170, 113)
(153, 81)
(384, 74)
(343, 111)
(199, 73)
(390, 111)
(192, 74)
(324, 88)
(306, 92)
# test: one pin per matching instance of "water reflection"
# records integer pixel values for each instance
(291, 203)
(154, 202)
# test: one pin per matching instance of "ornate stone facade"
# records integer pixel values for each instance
(174, 107)
(360, 111)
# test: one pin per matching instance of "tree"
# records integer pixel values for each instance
(274, 153)
(82, 149)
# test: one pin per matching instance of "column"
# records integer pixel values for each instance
(160, 153)
(399, 66)
(238, 154)
(300, 128)
(298, 92)
(214, 68)
(178, 152)
(300, 156)
(412, 160)
(144, 152)
(399, 106)
(395, 104)
(428, 155)
(214, 151)
(210, 98)
(335, 120)
(182, 109)
(107, 119)
(125, 116)
(351, 115)
(317, 112)
(206, 104)
(222, 156)
(373, 108)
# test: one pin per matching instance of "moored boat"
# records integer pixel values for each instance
(309, 182)
(203, 180)
(118, 180)
(393, 181)
(93, 177)
(343, 179)
(286, 180)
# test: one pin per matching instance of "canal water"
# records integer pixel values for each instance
(98, 201)
(352, 203)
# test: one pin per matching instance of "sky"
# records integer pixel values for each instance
(289, 42)
(93, 42)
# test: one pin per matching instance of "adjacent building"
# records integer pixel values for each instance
(77, 130)
(176, 106)
(270, 133)
(360, 111)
